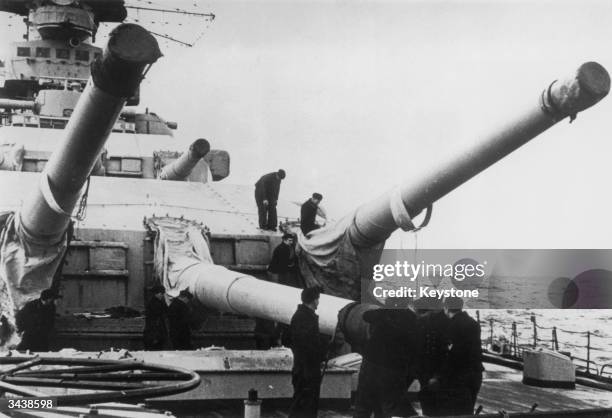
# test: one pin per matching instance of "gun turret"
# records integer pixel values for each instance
(372, 223)
(218, 287)
(181, 168)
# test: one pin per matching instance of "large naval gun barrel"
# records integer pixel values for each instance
(376, 220)
(229, 291)
(217, 287)
(19, 104)
(182, 167)
(114, 78)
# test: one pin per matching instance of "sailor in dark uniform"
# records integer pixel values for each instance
(433, 355)
(308, 213)
(308, 354)
(388, 363)
(283, 265)
(180, 318)
(284, 262)
(155, 334)
(36, 320)
(464, 370)
(267, 189)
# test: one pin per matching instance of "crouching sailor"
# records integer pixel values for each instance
(36, 320)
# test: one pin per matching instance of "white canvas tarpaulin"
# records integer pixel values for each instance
(328, 258)
(27, 268)
(179, 245)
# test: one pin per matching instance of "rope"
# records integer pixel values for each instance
(427, 218)
(82, 207)
(416, 251)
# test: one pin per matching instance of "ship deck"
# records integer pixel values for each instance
(502, 390)
(234, 372)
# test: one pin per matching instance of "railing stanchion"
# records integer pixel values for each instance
(535, 331)
(588, 351)
(514, 337)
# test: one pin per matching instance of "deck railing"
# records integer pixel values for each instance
(541, 336)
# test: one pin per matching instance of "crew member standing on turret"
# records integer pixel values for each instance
(308, 213)
(308, 353)
(464, 370)
(267, 189)
(36, 320)
(155, 332)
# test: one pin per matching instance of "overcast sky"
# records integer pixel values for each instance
(354, 97)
